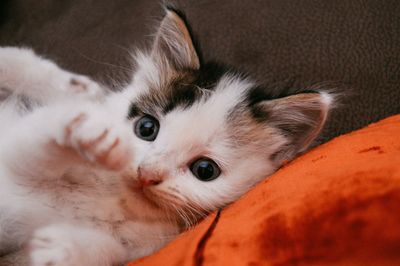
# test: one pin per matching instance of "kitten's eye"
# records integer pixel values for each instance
(205, 169)
(147, 128)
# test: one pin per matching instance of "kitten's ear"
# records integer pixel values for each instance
(174, 43)
(298, 117)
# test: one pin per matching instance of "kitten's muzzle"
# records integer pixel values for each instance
(148, 177)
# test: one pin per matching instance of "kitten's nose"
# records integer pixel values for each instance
(149, 177)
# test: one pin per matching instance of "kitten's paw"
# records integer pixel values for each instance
(98, 140)
(84, 86)
(53, 247)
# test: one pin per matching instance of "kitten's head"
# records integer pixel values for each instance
(205, 134)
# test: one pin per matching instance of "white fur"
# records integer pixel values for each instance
(39, 78)
(52, 181)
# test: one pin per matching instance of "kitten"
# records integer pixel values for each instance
(93, 180)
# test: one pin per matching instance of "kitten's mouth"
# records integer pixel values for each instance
(150, 196)
(139, 190)
(159, 199)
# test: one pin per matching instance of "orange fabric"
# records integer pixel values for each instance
(339, 204)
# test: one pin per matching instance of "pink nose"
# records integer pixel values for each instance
(148, 177)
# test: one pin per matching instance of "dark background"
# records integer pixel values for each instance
(354, 44)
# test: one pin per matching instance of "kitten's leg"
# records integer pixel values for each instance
(48, 141)
(26, 74)
(67, 245)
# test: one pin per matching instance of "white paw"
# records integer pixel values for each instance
(84, 86)
(51, 246)
(97, 139)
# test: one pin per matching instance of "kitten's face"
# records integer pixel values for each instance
(206, 154)
(204, 135)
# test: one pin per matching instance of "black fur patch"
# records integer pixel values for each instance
(186, 89)
(259, 114)
(258, 94)
(197, 85)
(133, 111)
(210, 73)
(182, 95)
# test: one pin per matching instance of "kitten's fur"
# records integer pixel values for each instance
(70, 186)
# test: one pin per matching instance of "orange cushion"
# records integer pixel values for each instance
(338, 204)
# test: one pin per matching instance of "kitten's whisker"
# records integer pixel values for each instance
(123, 48)
(187, 218)
(196, 211)
(177, 211)
(202, 211)
(188, 215)
(102, 62)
